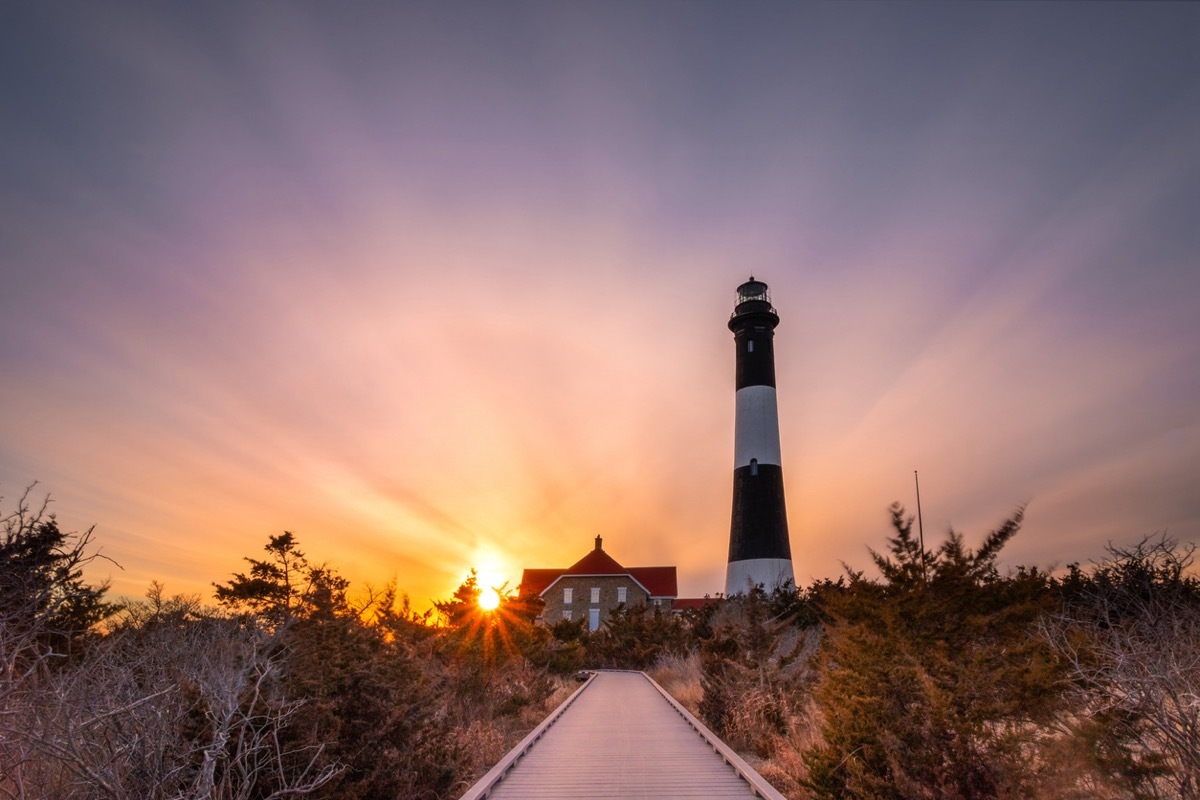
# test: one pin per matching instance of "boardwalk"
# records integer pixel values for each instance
(621, 737)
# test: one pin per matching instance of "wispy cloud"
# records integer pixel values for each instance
(431, 287)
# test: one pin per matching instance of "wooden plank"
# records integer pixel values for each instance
(619, 738)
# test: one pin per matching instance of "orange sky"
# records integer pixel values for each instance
(436, 289)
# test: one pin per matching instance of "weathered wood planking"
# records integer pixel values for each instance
(621, 738)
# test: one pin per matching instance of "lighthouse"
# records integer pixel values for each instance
(759, 550)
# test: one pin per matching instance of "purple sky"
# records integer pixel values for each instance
(446, 285)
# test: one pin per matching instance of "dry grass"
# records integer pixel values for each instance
(784, 767)
(680, 677)
(777, 757)
(532, 715)
(483, 742)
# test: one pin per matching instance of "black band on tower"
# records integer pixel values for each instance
(759, 527)
(755, 356)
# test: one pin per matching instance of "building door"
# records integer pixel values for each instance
(593, 619)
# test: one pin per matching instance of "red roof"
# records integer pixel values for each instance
(658, 581)
(596, 562)
(690, 603)
(536, 581)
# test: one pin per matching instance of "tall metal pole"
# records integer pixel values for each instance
(920, 528)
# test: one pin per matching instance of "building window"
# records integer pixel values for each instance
(753, 471)
(620, 594)
(750, 346)
(567, 596)
(593, 619)
(595, 594)
(567, 614)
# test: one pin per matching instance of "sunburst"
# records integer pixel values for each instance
(489, 599)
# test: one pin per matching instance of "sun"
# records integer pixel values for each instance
(489, 599)
(489, 578)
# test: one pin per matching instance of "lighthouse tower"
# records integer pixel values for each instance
(759, 551)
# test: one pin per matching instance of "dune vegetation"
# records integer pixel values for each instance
(933, 675)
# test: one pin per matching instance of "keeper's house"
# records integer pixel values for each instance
(595, 585)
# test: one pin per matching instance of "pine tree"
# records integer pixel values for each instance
(932, 681)
(274, 588)
(47, 608)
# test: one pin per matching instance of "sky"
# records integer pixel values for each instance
(441, 286)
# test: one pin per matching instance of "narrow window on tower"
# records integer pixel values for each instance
(753, 471)
(750, 346)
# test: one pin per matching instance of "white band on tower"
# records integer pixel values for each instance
(756, 430)
(771, 573)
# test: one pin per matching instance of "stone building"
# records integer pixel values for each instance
(596, 585)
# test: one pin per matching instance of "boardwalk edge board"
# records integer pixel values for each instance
(496, 774)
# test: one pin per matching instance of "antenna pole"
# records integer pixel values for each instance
(920, 528)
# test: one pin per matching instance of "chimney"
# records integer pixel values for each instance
(598, 540)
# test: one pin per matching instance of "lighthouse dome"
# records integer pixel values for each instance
(753, 290)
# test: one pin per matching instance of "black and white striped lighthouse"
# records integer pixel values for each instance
(759, 550)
